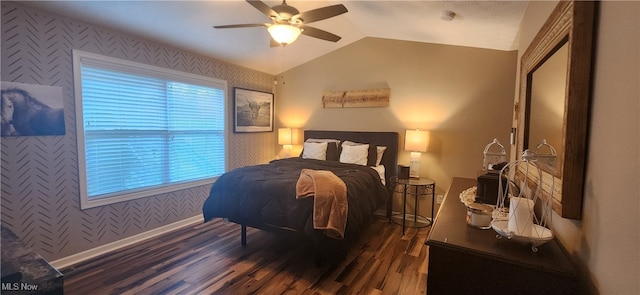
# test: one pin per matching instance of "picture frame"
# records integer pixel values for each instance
(31, 110)
(253, 111)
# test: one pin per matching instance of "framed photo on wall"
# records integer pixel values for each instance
(252, 110)
(31, 110)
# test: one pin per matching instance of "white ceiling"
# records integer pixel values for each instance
(188, 25)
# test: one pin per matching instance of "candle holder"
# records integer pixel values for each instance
(490, 158)
(515, 216)
(547, 159)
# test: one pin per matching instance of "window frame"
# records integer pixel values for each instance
(121, 65)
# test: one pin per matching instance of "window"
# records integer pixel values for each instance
(145, 130)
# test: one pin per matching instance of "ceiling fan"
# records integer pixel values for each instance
(289, 23)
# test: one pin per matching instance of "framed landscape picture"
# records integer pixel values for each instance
(253, 110)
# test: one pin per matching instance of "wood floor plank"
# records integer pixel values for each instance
(208, 259)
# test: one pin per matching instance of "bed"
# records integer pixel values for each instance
(265, 196)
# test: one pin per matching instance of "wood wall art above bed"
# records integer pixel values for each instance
(362, 98)
(264, 196)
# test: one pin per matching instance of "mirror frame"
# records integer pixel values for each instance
(573, 22)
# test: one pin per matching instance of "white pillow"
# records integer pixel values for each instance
(347, 142)
(315, 150)
(354, 154)
(380, 170)
(332, 147)
(380, 150)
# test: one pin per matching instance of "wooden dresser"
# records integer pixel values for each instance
(467, 260)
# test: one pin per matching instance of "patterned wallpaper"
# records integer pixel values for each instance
(39, 188)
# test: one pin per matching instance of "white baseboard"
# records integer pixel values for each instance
(97, 251)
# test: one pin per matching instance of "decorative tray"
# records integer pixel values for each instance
(540, 236)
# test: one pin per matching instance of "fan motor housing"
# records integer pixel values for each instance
(285, 12)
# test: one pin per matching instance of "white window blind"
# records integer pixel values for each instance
(144, 130)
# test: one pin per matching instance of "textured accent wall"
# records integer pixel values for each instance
(40, 191)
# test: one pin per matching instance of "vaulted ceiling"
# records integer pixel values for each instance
(188, 25)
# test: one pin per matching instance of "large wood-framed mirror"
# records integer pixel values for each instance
(564, 43)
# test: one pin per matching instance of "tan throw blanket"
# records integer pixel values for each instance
(330, 204)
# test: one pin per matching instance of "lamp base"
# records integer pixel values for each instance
(414, 165)
(287, 150)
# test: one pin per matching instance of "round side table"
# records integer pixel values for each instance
(416, 187)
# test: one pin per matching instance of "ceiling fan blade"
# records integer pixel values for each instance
(321, 13)
(264, 8)
(320, 34)
(240, 26)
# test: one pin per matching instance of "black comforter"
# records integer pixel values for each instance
(266, 195)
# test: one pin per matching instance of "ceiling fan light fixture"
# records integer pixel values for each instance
(284, 34)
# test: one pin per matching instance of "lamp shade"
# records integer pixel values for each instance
(416, 140)
(285, 136)
(284, 34)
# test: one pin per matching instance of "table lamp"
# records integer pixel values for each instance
(415, 141)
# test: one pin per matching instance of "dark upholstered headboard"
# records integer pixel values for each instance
(388, 139)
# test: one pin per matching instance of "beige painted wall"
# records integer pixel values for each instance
(606, 240)
(462, 95)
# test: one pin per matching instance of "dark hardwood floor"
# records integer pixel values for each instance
(208, 259)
